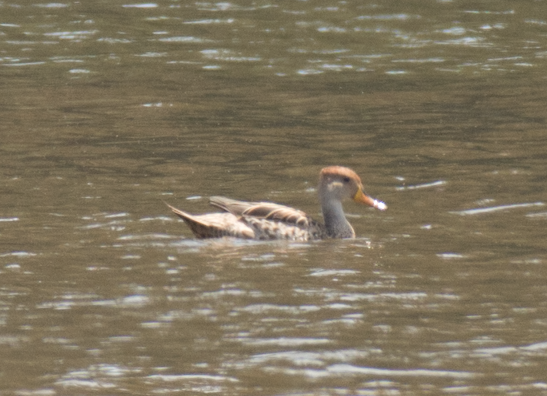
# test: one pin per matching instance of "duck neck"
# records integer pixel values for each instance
(335, 219)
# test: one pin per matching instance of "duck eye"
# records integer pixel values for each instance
(346, 179)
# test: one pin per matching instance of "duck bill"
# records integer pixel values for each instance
(361, 197)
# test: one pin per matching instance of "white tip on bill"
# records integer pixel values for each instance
(379, 205)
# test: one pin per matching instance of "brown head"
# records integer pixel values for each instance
(340, 183)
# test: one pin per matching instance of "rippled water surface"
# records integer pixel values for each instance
(109, 109)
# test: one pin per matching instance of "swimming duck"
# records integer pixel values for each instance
(266, 220)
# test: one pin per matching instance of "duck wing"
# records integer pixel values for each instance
(263, 210)
(216, 225)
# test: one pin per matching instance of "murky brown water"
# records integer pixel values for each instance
(109, 108)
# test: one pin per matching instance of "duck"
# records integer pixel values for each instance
(269, 221)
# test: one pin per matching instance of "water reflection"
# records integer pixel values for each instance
(284, 39)
(109, 108)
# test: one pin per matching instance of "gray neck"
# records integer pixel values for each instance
(335, 219)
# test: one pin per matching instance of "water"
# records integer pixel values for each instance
(108, 109)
